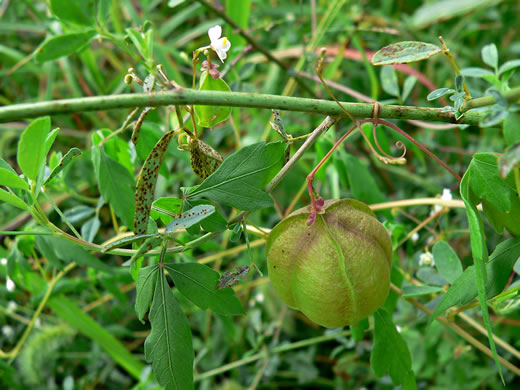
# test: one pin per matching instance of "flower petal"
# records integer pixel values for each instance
(224, 43)
(214, 33)
(221, 54)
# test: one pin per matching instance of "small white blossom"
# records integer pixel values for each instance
(220, 45)
(7, 331)
(3, 261)
(426, 259)
(9, 285)
(446, 195)
(415, 237)
(11, 306)
(259, 297)
(38, 323)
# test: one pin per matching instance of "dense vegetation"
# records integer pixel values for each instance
(134, 215)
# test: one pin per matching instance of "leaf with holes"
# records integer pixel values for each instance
(147, 181)
(190, 218)
(405, 52)
(198, 283)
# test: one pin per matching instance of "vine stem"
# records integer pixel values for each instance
(232, 99)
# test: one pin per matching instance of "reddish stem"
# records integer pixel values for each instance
(316, 204)
(419, 145)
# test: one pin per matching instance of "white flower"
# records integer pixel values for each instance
(220, 45)
(446, 195)
(8, 331)
(11, 305)
(259, 297)
(426, 259)
(415, 237)
(3, 261)
(9, 285)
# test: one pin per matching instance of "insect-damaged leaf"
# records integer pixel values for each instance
(404, 52)
(146, 183)
(63, 163)
(204, 159)
(190, 218)
(229, 278)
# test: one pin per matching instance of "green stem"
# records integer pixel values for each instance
(234, 99)
(511, 96)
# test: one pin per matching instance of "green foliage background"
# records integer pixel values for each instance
(88, 335)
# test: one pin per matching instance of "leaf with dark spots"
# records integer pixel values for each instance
(204, 159)
(63, 162)
(230, 278)
(138, 124)
(146, 183)
(190, 218)
(404, 52)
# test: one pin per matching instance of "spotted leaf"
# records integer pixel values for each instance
(146, 183)
(204, 159)
(404, 52)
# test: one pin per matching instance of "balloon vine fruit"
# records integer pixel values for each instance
(336, 271)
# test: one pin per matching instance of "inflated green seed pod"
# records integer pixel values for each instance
(336, 271)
